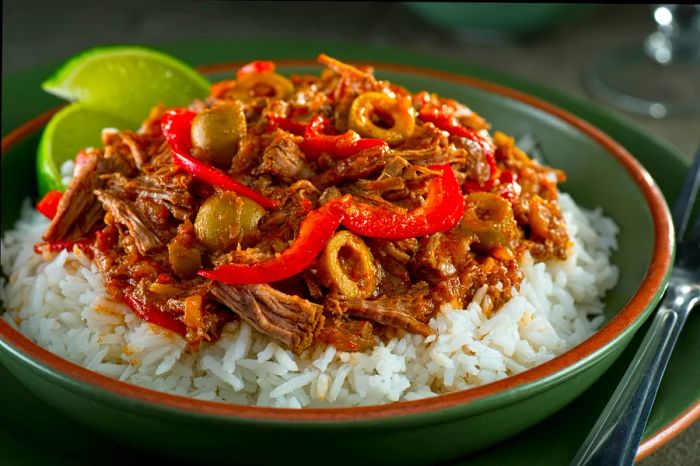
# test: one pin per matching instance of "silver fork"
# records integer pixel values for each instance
(614, 439)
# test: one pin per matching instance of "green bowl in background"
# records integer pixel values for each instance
(510, 20)
(601, 173)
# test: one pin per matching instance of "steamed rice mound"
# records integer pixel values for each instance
(59, 302)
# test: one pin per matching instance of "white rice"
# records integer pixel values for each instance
(59, 302)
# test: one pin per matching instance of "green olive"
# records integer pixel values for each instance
(267, 84)
(216, 132)
(490, 217)
(377, 115)
(347, 266)
(250, 213)
(226, 219)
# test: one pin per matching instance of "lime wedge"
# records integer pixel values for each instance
(126, 81)
(115, 87)
(73, 128)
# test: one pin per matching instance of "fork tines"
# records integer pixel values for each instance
(683, 208)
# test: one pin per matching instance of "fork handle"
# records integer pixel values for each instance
(617, 433)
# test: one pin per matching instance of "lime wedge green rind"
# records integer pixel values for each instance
(71, 129)
(126, 81)
(113, 86)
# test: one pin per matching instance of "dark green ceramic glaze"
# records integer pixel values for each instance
(595, 178)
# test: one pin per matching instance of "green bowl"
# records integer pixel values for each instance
(601, 173)
(513, 20)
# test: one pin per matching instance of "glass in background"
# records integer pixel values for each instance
(659, 78)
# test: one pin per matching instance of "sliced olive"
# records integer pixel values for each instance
(255, 85)
(347, 266)
(226, 219)
(378, 115)
(216, 132)
(490, 217)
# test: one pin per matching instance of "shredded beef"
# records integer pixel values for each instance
(168, 189)
(283, 158)
(289, 319)
(248, 155)
(409, 311)
(368, 163)
(142, 229)
(79, 211)
(127, 143)
(392, 258)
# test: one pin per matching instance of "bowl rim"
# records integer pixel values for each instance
(648, 292)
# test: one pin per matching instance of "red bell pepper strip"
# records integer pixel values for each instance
(218, 178)
(509, 186)
(448, 123)
(451, 125)
(287, 124)
(258, 66)
(471, 186)
(176, 128)
(317, 140)
(443, 209)
(48, 205)
(315, 231)
(320, 126)
(153, 315)
(298, 111)
(56, 246)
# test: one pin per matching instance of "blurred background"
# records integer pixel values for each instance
(639, 60)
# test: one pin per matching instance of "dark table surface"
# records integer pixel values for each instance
(42, 32)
